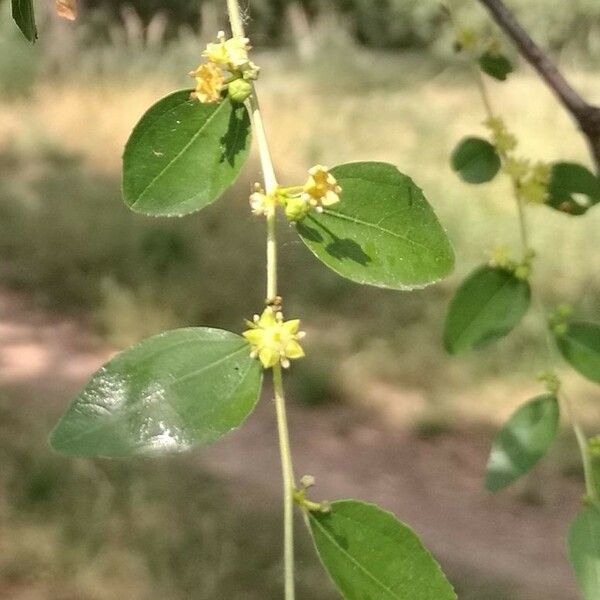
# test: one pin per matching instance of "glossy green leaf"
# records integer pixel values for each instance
(495, 65)
(580, 347)
(183, 155)
(573, 188)
(522, 442)
(382, 232)
(370, 555)
(24, 16)
(168, 393)
(475, 160)
(583, 545)
(487, 306)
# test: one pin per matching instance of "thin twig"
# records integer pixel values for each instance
(586, 115)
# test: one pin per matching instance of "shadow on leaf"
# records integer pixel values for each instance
(339, 248)
(238, 130)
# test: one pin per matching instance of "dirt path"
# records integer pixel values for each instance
(434, 484)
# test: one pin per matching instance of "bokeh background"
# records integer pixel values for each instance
(378, 411)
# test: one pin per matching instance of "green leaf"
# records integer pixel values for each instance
(522, 442)
(487, 306)
(173, 391)
(370, 555)
(583, 544)
(573, 188)
(382, 232)
(24, 16)
(495, 65)
(580, 347)
(475, 160)
(183, 155)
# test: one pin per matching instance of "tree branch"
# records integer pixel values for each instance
(585, 114)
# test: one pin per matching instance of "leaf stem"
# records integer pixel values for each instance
(270, 183)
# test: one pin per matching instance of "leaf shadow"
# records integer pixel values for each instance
(234, 140)
(339, 248)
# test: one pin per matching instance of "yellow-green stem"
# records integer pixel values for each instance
(289, 486)
(270, 183)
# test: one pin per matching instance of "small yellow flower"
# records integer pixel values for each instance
(209, 82)
(501, 258)
(232, 54)
(517, 168)
(467, 39)
(273, 340)
(261, 203)
(321, 188)
(503, 139)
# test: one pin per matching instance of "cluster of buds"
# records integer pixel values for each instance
(559, 319)
(321, 190)
(530, 179)
(470, 40)
(302, 500)
(501, 259)
(274, 341)
(228, 66)
(550, 380)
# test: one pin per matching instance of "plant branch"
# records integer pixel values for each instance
(585, 114)
(270, 183)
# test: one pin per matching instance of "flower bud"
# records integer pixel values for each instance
(296, 209)
(239, 90)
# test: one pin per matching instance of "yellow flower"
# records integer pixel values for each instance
(503, 139)
(261, 203)
(209, 82)
(232, 54)
(467, 39)
(274, 340)
(501, 258)
(321, 188)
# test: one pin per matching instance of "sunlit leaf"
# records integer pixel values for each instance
(370, 555)
(580, 347)
(487, 306)
(522, 442)
(496, 65)
(573, 188)
(583, 545)
(183, 155)
(24, 16)
(475, 160)
(173, 391)
(382, 232)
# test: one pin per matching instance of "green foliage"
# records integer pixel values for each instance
(488, 305)
(573, 188)
(382, 233)
(496, 65)
(169, 393)
(583, 545)
(522, 441)
(24, 16)
(580, 346)
(183, 155)
(475, 160)
(369, 554)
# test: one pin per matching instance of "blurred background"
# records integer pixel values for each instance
(378, 411)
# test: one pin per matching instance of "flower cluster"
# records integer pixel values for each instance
(320, 190)
(228, 66)
(273, 340)
(501, 259)
(530, 179)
